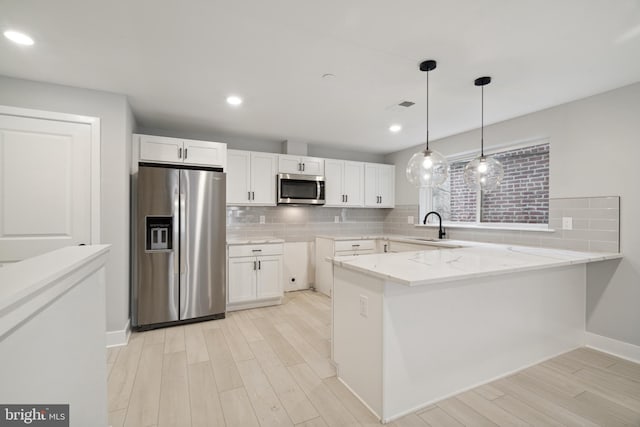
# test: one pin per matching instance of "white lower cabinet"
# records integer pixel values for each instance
(254, 276)
(328, 248)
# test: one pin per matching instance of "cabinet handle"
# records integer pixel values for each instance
(254, 265)
(256, 250)
(259, 265)
(299, 167)
(180, 152)
(346, 197)
(253, 195)
(185, 153)
(355, 246)
(303, 167)
(249, 195)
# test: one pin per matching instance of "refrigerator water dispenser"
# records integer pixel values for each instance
(159, 233)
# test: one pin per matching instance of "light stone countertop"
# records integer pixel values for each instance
(253, 241)
(30, 285)
(397, 238)
(468, 260)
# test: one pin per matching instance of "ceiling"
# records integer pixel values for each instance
(177, 60)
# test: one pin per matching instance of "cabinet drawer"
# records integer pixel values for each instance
(255, 250)
(350, 245)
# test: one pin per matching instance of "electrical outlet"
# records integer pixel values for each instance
(410, 219)
(336, 219)
(567, 223)
(262, 219)
(364, 306)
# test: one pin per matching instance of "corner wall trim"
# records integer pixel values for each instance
(119, 338)
(614, 347)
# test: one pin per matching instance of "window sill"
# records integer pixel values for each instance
(515, 227)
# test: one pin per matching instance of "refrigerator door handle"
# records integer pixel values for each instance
(183, 233)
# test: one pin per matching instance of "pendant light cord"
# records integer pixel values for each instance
(482, 123)
(427, 110)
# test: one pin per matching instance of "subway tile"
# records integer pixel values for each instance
(604, 224)
(597, 246)
(604, 202)
(576, 234)
(579, 224)
(604, 213)
(569, 203)
(603, 236)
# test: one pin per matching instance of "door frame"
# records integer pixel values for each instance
(94, 124)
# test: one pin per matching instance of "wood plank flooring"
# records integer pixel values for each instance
(270, 367)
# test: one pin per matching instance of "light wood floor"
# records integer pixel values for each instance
(270, 367)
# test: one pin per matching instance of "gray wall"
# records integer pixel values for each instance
(116, 122)
(595, 150)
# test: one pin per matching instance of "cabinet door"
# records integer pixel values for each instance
(334, 179)
(289, 164)
(242, 279)
(269, 277)
(205, 153)
(312, 166)
(353, 183)
(264, 168)
(238, 177)
(386, 186)
(371, 185)
(160, 149)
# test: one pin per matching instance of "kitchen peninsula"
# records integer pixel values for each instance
(415, 327)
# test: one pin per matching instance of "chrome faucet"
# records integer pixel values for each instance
(441, 232)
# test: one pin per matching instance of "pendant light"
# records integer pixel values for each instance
(483, 173)
(427, 168)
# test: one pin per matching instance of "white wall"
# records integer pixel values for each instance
(595, 150)
(116, 122)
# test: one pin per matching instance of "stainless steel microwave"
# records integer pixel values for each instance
(296, 189)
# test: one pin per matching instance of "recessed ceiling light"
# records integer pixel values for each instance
(18, 37)
(395, 128)
(234, 100)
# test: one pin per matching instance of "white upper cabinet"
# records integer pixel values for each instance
(379, 185)
(300, 165)
(161, 149)
(251, 178)
(344, 183)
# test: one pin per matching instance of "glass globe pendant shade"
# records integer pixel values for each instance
(483, 173)
(427, 168)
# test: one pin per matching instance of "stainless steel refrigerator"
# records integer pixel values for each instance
(178, 247)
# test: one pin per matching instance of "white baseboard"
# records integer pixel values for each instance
(621, 349)
(119, 338)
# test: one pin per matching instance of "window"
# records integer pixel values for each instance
(521, 199)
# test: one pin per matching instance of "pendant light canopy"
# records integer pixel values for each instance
(483, 173)
(427, 168)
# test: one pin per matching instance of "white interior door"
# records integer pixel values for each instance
(45, 186)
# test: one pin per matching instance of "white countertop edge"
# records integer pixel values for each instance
(255, 241)
(471, 275)
(30, 285)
